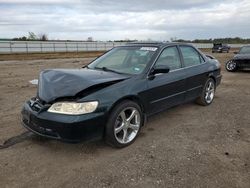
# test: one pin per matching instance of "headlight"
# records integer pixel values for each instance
(73, 108)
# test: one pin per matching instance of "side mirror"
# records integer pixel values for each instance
(235, 52)
(160, 70)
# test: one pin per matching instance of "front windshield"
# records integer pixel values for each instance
(245, 50)
(127, 60)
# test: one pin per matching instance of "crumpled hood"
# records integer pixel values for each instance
(57, 83)
(242, 56)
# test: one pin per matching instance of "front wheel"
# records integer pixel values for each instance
(208, 93)
(231, 66)
(124, 124)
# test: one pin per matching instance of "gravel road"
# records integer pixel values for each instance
(186, 146)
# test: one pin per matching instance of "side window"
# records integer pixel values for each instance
(190, 56)
(170, 57)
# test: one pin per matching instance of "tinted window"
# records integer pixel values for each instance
(190, 56)
(170, 57)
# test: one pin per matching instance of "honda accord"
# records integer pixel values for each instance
(112, 96)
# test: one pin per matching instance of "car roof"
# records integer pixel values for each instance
(156, 44)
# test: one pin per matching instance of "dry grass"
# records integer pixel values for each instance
(58, 55)
(62, 55)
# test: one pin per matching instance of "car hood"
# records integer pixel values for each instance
(242, 56)
(61, 83)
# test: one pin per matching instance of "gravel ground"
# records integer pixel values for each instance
(186, 146)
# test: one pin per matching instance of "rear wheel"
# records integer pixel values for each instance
(231, 66)
(124, 124)
(208, 93)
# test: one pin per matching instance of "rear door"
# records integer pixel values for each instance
(168, 89)
(196, 70)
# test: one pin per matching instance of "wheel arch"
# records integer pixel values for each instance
(213, 77)
(133, 98)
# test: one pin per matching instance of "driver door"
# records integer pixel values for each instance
(168, 89)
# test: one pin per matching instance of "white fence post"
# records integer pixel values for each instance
(41, 46)
(27, 49)
(10, 47)
(54, 46)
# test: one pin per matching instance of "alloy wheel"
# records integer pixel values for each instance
(209, 93)
(127, 125)
(231, 65)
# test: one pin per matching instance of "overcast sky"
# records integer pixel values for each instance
(125, 19)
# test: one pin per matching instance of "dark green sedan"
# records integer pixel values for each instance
(112, 96)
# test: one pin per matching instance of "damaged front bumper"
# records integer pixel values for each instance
(70, 128)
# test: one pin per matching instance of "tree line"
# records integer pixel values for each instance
(32, 37)
(230, 40)
(235, 40)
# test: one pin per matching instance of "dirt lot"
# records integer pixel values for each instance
(186, 146)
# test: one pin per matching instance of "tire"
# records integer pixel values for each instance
(120, 131)
(231, 66)
(208, 93)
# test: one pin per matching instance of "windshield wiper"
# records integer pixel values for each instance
(107, 69)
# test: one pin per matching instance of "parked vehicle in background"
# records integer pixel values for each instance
(240, 61)
(220, 48)
(112, 96)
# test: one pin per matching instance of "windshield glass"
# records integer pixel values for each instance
(245, 50)
(127, 60)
